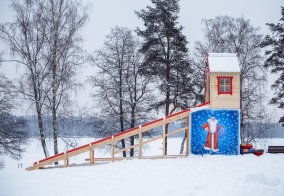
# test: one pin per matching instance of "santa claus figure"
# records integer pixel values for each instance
(211, 126)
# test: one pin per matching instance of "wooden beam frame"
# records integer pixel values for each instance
(187, 135)
(162, 122)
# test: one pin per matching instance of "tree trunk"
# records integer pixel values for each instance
(54, 126)
(53, 103)
(39, 115)
(167, 97)
(121, 111)
(182, 143)
(241, 113)
(41, 130)
(132, 126)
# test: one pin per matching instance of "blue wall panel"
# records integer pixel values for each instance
(228, 132)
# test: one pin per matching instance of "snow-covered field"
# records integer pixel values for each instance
(193, 175)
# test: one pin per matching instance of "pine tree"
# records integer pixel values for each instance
(165, 48)
(275, 61)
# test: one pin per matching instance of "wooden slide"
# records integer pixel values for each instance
(126, 134)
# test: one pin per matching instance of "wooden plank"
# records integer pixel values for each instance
(92, 156)
(31, 168)
(126, 134)
(110, 159)
(112, 148)
(187, 150)
(99, 159)
(130, 158)
(101, 142)
(164, 137)
(178, 113)
(152, 125)
(177, 116)
(78, 151)
(78, 148)
(140, 142)
(51, 157)
(50, 161)
(66, 161)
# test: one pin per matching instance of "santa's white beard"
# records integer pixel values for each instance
(213, 126)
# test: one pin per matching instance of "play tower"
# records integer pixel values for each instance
(211, 127)
(220, 121)
(222, 81)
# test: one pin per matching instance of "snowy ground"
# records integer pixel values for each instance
(193, 175)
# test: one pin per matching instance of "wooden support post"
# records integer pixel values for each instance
(140, 142)
(164, 137)
(66, 161)
(112, 149)
(92, 156)
(187, 135)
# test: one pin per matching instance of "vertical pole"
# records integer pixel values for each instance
(187, 134)
(92, 156)
(66, 161)
(112, 149)
(164, 137)
(140, 142)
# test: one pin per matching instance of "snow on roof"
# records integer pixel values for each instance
(223, 62)
(199, 108)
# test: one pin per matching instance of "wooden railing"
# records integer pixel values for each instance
(162, 122)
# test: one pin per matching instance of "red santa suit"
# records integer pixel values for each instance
(211, 126)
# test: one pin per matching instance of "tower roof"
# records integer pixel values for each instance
(223, 62)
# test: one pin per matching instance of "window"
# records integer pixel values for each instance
(225, 85)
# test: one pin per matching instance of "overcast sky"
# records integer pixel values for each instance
(107, 14)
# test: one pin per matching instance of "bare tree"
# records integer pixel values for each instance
(138, 94)
(237, 35)
(26, 38)
(64, 19)
(111, 60)
(122, 91)
(12, 139)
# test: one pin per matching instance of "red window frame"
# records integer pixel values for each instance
(223, 85)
